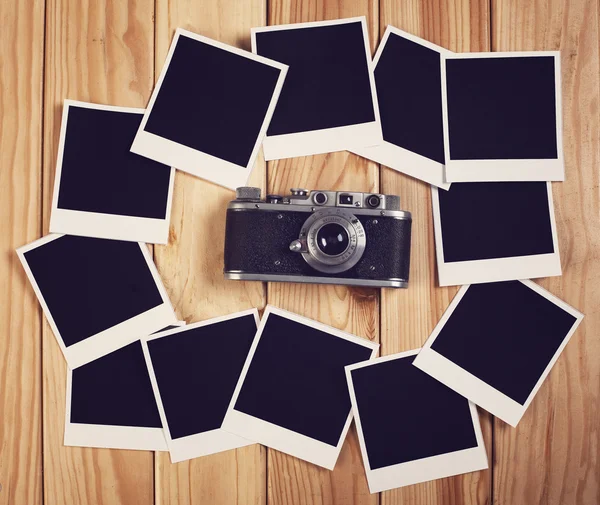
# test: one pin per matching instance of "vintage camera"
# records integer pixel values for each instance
(329, 237)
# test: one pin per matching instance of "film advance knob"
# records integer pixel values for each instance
(299, 192)
(247, 193)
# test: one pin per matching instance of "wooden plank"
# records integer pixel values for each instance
(552, 457)
(21, 68)
(290, 480)
(409, 316)
(99, 51)
(192, 265)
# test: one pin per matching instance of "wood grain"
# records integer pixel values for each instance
(553, 456)
(21, 68)
(109, 51)
(291, 481)
(409, 316)
(99, 51)
(192, 265)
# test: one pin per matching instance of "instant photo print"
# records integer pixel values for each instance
(98, 295)
(502, 116)
(194, 371)
(328, 102)
(495, 231)
(411, 428)
(497, 343)
(210, 109)
(103, 190)
(408, 79)
(110, 403)
(292, 394)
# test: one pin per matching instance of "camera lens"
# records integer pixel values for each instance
(373, 201)
(320, 198)
(333, 239)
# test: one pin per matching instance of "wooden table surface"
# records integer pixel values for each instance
(110, 52)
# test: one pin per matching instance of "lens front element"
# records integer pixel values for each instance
(335, 240)
(332, 239)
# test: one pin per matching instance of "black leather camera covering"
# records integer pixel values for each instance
(257, 242)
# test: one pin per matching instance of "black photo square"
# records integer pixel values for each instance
(102, 189)
(489, 231)
(110, 403)
(328, 101)
(503, 117)
(114, 390)
(411, 427)
(503, 336)
(408, 79)
(293, 387)
(210, 109)
(98, 295)
(195, 370)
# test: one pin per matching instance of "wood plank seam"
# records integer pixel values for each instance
(492, 461)
(41, 231)
(155, 500)
(378, 35)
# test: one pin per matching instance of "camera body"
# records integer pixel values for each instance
(328, 237)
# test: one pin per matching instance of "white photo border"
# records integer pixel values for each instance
(199, 444)
(420, 470)
(325, 140)
(189, 159)
(115, 337)
(472, 387)
(110, 436)
(396, 157)
(278, 437)
(495, 269)
(99, 224)
(495, 170)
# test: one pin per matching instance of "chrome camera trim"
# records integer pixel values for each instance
(304, 279)
(235, 205)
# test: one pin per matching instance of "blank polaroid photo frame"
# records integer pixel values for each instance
(103, 190)
(411, 428)
(502, 116)
(193, 371)
(292, 394)
(110, 403)
(495, 231)
(98, 295)
(496, 344)
(210, 109)
(408, 79)
(329, 101)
